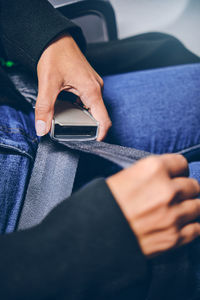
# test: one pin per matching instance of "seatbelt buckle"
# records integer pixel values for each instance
(71, 122)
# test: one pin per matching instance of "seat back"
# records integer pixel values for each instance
(95, 17)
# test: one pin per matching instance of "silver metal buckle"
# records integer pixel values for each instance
(71, 122)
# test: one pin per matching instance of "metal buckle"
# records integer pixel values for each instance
(71, 122)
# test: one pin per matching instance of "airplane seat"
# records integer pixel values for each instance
(95, 17)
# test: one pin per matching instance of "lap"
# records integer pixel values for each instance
(157, 110)
(18, 144)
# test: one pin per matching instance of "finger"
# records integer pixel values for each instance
(176, 165)
(187, 188)
(92, 98)
(101, 82)
(189, 233)
(44, 109)
(100, 113)
(188, 211)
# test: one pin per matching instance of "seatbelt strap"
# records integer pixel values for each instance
(122, 156)
(51, 182)
(54, 172)
(55, 166)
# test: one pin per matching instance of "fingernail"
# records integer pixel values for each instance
(40, 127)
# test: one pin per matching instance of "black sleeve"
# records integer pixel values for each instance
(84, 249)
(28, 26)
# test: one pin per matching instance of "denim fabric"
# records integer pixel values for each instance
(156, 111)
(18, 144)
(54, 171)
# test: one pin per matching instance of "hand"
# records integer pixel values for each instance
(62, 66)
(158, 202)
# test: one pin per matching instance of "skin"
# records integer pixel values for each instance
(158, 201)
(155, 195)
(62, 66)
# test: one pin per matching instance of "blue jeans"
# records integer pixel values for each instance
(18, 144)
(156, 110)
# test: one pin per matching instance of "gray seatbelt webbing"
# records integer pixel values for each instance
(122, 156)
(55, 166)
(51, 182)
(54, 173)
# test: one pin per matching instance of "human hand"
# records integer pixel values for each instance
(62, 66)
(158, 202)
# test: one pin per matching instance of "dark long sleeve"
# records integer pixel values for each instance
(84, 249)
(28, 26)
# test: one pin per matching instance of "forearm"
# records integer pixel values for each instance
(27, 27)
(84, 249)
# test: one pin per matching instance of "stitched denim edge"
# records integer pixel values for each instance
(22, 152)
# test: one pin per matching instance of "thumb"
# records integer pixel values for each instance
(44, 109)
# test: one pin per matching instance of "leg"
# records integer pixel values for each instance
(18, 144)
(157, 111)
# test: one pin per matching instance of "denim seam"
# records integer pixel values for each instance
(17, 150)
(17, 131)
(189, 148)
